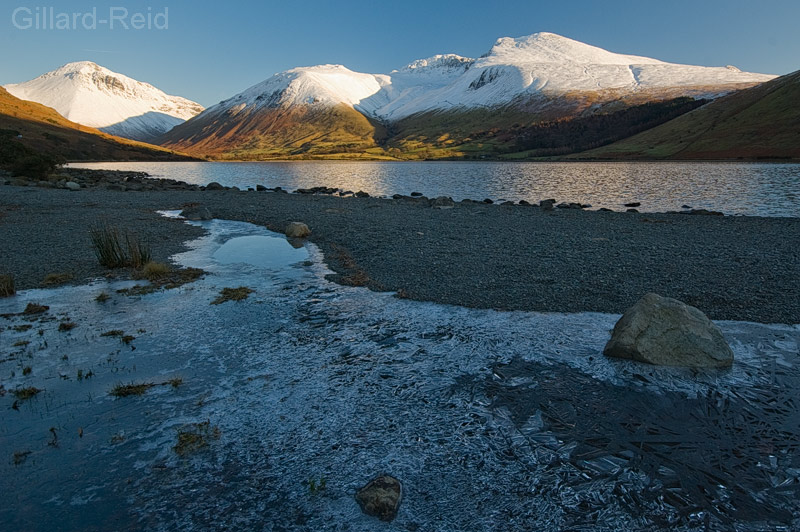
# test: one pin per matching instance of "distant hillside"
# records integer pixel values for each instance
(762, 122)
(43, 130)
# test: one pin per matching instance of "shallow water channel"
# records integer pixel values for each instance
(269, 413)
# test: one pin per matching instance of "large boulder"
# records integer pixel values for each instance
(196, 213)
(664, 331)
(381, 497)
(297, 230)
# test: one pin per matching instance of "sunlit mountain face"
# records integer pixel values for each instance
(93, 96)
(453, 106)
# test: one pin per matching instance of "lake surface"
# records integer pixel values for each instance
(757, 189)
(492, 420)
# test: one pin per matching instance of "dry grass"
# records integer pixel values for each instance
(195, 436)
(232, 294)
(128, 390)
(173, 279)
(7, 285)
(25, 393)
(35, 308)
(55, 279)
(65, 326)
(155, 271)
(350, 273)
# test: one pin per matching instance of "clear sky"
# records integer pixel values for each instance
(210, 51)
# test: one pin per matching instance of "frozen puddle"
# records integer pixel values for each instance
(492, 420)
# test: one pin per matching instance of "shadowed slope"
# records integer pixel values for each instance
(757, 123)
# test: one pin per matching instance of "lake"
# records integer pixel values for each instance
(755, 189)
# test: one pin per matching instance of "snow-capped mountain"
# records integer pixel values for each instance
(542, 76)
(542, 63)
(89, 94)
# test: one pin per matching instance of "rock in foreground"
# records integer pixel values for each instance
(664, 331)
(297, 230)
(381, 497)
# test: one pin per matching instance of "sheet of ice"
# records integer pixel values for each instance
(492, 420)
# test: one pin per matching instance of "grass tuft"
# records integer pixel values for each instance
(25, 393)
(7, 285)
(154, 271)
(128, 390)
(20, 457)
(118, 249)
(55, 279)
(195, 436)
(102, 297)
(232, 294)
(35, 308)
(65, 326)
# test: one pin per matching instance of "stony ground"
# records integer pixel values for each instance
(508, 257)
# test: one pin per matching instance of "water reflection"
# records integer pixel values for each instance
(735, 188)
(270, 252)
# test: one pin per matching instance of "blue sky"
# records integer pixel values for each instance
(211, 51)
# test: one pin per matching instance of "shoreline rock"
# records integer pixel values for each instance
(667, 332)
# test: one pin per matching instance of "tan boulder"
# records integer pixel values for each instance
(664, 331)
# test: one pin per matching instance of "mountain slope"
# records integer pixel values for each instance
(760, 122)
(94, 96)
(46, 131)
(444, 106)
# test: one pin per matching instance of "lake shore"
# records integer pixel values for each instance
(505, 257)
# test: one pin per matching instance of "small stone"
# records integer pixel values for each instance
(381, 497)
(261, 188)
(416, 194)
(297, 230)
(361, 194)
(72, 185)
(442, 202)
(547, 205)
(634, 204)
(214, 186)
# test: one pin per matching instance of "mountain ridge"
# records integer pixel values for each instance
(89, 94)
(43, 130)
(420, 110)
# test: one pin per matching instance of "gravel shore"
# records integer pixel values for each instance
(477, 255)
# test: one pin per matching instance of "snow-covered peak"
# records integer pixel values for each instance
(441, 62)
(315, 85)
(539, 64)
(92, 95)
(544, 48)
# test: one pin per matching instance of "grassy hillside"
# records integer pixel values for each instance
(517, 132)
(533, 127)
(281, 133)
(45, 131)
(762, 122)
